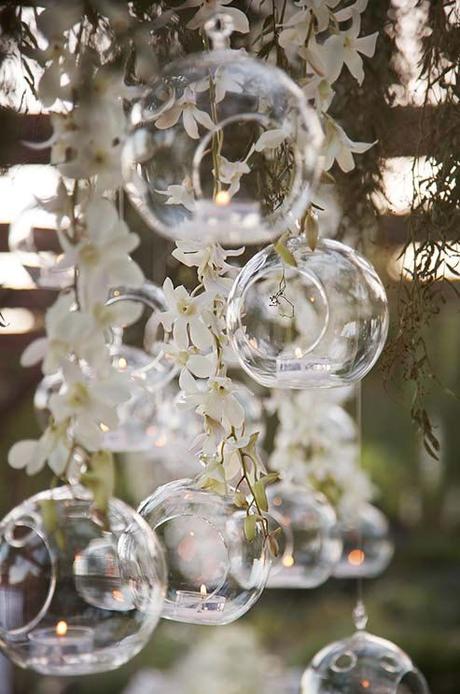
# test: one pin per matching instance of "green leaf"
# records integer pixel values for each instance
(250, 525)
(260, 495)
(51, 521)
(240, 500)
(271, 478)
(284, 253)
(100, 478)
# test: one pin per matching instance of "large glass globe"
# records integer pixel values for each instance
(318, 325)
(81, 591)
(223, 147)
(362, 664)
(367, 546)
(310, 545)
(215, 573)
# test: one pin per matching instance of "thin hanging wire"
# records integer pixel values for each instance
(359, 613)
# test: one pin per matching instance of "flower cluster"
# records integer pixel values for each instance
(95, 242)
(317, 444)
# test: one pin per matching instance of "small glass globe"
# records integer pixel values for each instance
(362, 664)
(223, 147)
(215, 573)
(367, 546)
(34, 240)
(81, 592)
(318, 325)
(148, 366)
(310, 545)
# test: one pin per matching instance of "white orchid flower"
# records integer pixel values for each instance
(180, 194)
(184, 317)
(223, 81)
(102, 255)
(185, 107)
(346, 48)
(231, 172)
(89, 402)
(338, 147)
(271, 139)
(68, 332)
(320, 91)
(199, 365)
(321, 9)
(208, 9)
(53, 447)
(211, 264)
(218, 401)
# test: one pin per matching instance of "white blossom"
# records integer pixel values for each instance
(183, 317)
(208, 9)
(346, 48)
(338, 147)
(218, 401)
(185, 107)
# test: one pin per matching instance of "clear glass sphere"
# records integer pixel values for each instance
(34, 240)
(318, 325)
(223, 147)
(362, 664)
(215, 573)
(80, 592)
(310, 545)
(145, 360)
(367, 546)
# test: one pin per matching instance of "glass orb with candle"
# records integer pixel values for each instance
(310, 545)
(81, 591)
(367, 546)
(363, 664)
(223, 147)
(320, 324)
(215, 573)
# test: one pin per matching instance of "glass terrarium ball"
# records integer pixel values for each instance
(362, 664)
(215, 573)
(367, 546)
(81, 591)
(310, 545)
(137, 344)
(318, 325)
(223, 147)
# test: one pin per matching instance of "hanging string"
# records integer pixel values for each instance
(359, 613)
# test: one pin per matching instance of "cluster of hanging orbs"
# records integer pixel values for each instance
(81, 591)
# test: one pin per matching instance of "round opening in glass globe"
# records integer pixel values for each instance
(215, 573)
(362, 663)
(223, 147)
(81, 591)
(320, 324)
(367, 546)
(310, 546)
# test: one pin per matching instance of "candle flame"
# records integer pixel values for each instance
(203, 591)
(288, 561)
(222, 198)
(356, 557)
(365, 684)
(117, 595)
(61, 628)
(122, 363)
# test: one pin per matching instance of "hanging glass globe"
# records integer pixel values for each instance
(367, 546)
(148, 366)
(310, 545)
(362, 664)
(318, 325)
(223, 147)
(215, 573)
(80, 592)
(34, 240)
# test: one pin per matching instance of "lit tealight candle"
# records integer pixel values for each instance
(223, 198)
(61, 643)
(356, 557)
(200, 602)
